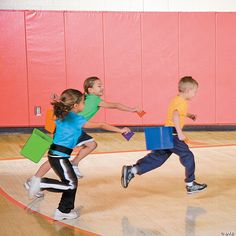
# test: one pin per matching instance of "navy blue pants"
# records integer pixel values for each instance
(156, 158)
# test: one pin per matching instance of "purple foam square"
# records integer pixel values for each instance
(128, 135)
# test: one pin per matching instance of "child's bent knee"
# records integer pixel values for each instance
(92, 145)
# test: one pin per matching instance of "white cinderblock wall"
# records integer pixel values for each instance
(122, 5)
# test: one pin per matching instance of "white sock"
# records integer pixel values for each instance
(134, 170)
(189, 184)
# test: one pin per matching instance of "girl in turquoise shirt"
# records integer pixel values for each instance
(93, 88)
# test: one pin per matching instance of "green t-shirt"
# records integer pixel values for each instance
(91, 106)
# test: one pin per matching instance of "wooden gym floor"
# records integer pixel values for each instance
(153, 204)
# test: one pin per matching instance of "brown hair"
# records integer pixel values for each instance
(65, 103)
(186, 82)
(89, 82)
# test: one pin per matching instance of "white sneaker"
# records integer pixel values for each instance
(65, 216)
(27, 186)
(34, 187)
(77, 172)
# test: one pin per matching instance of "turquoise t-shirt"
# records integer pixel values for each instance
(91, 107)
(68, 131)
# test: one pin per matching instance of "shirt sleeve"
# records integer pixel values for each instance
(81, 121)
(178, 105)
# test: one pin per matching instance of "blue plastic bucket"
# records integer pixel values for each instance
(159, 137)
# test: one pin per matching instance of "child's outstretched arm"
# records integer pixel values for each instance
(119, 106)
(106, 126)
(178, 128)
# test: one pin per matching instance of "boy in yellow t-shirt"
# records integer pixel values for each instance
(176, 114)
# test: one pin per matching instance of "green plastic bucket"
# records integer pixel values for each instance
(36, 146)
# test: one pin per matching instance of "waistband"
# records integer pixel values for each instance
(59, 148)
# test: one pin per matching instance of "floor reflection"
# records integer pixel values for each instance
(190, 219)
(191, 215)
(130, 230)
(34, 205)
(49, 226)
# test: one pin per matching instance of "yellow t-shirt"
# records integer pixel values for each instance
(180, 104)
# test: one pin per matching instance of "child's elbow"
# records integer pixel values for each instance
(102, 125)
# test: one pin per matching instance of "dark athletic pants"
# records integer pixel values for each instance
(156, 158)
(68, 184)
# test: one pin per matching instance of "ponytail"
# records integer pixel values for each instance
(63, 105)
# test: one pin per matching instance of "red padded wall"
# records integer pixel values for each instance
(122, 52)
(160, 64)
(46, 59)
(13, 72)
(84, 49)
(139, 56)
(197, 58)
(225, 64)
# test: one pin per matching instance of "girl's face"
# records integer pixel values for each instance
(97, 88)
(78, 107)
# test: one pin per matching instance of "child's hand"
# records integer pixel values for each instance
(125, 130)
(137, 109)
(192, 116)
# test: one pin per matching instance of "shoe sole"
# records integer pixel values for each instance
(123, 177)
(80, 176)
(39, 195)
(26, 185)
(197, 191)
(65, 218)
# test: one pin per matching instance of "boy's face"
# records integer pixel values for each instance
(97, 88)
(191, 92)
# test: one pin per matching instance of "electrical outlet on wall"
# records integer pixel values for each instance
(37, 111)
